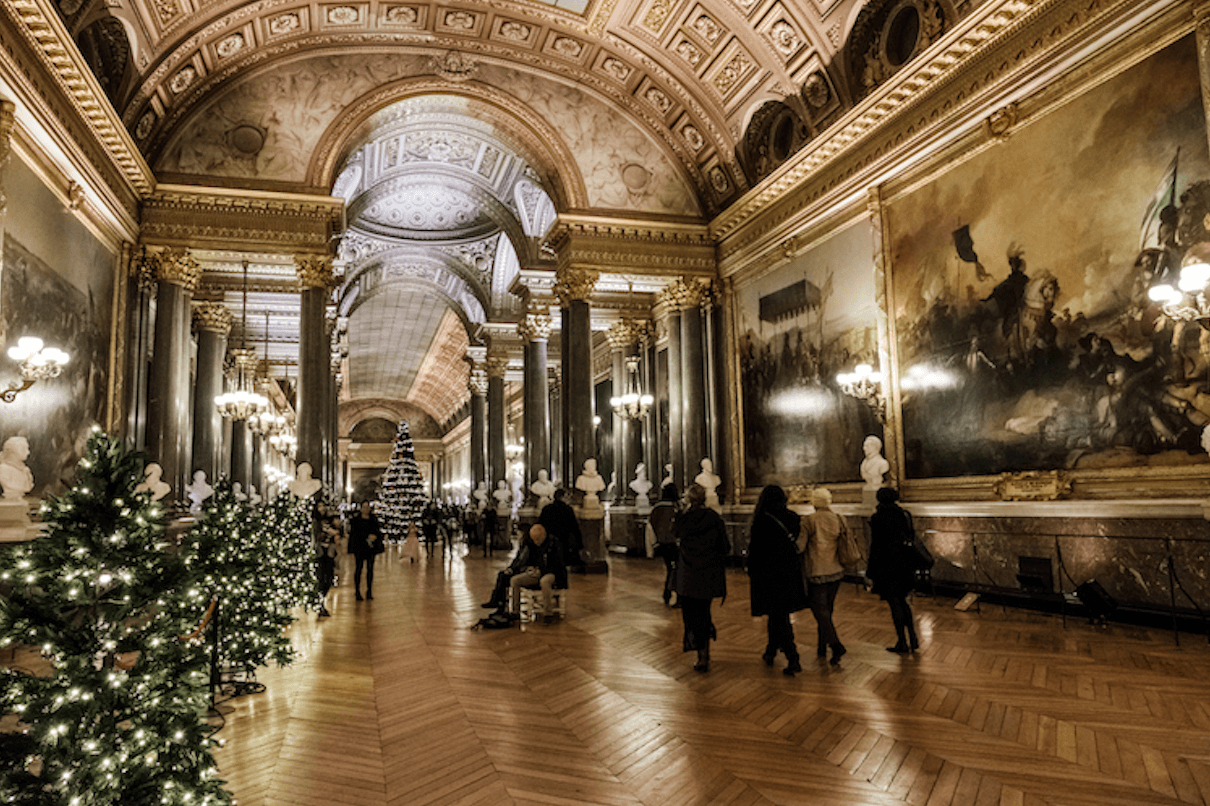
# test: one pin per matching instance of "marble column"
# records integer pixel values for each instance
(534, 330)
(554, 385)
(334, 430)
(619, 338)
(563, 434)
(213, 323)
(316, 280)
(574, 288)
(676, 454)
(652, 453)
(693, 386)
(478, 387)
(257, 477)
(241, 452)
(168, 398)
(140, 332)
(497, 462)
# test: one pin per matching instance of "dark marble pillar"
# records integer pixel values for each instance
(257, 476)
(535, 331)
(315, 278)
(574, 288)
(478, 385)
(241, 452)
(564, 432)
(619, 336)
(693, 386)
(168, 399)
(676, 452)
(140, 333)
(714, 446)
(652, 454)
(554, 383)
(497, 462)
(213, 323)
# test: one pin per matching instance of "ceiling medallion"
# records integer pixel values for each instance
(454, 66)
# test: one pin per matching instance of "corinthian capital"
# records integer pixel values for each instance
(497, 365)
(534, 327)
(178, 267)
(575, 285)
(620, 334)
(315, 272)
(212, 316)
(477, 382)
(685, 294)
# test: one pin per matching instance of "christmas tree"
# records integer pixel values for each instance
(234, 546)
(290, 553)
(402, 497)
(115, 715)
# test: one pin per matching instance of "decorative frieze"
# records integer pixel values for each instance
(213, 316)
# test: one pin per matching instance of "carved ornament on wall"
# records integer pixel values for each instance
(1033, 485)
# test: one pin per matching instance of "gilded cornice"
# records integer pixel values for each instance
(38, 22)
(212, 316)
(620, 245)
(574, 284)
(913, 98)
(194, 217)
(534, 327)
(315, 272)
(178, 267)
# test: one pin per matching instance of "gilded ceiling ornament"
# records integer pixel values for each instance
(658, 99)
(620, 335)
(167, 9)
(75, 195)
(686, 293)
(534, 327)
(181, 81)
(616, 68)
(213, 316)
(574, 285)
(784, 38)
(1000, 123)
(314, 272)
(460, 19)
(657, 14)
(177, 266)
(730, 75)
(230, 45)
(343, 15)
(454, 66)
(718, 180)
(143, 128)
(284, 24)
(402, 15)
(708, 28)
(693, 137)
(497, 366)
(516, 31)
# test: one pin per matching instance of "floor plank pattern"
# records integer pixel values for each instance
(398, 701)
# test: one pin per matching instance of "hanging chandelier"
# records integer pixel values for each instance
(632, 405)
(242, 402)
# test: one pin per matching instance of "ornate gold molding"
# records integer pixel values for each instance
(315, 272)
(534, 327)
(687, 293)
(574, 285)
(213, 316)
(620, 335)
(177, 266)
(1033, 485)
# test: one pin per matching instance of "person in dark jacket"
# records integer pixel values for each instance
(701, 571)
(661, 519)
(559, 520)
(891, 566)
(365, 543)
(775, 571)
(539, 561)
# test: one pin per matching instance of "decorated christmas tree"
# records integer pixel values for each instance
(401, 498)
(291, 551)
(112, 713)
(234, 545)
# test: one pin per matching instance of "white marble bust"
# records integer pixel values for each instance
(302, 485)
(237, 492)
(874, 466)
(664, 482)
(198, 491)
(253, 496)
(15, 476)
(153, 482)
(590, 483)
(709, 481)
(544, 488)
(641, 485)
(480, 496)
(503, 496)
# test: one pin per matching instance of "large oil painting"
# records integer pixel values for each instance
(1027, 338)
(798, 328)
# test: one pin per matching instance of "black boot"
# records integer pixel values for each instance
(793, 667)
(838, 650)
(703, 661)
(769, 656)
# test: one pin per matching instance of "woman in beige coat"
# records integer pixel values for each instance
(818, 541)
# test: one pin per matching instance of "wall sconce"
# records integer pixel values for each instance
(38, 363)
(1183, 296)
(864, 383)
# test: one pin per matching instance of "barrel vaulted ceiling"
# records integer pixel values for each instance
(456, 132)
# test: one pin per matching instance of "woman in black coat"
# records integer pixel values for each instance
(701, 571)
(892, 565)
(365, 543)
(775, 571)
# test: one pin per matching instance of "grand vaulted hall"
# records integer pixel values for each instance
(666, 236)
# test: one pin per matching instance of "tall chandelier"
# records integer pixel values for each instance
(632, 405)
(243, 402)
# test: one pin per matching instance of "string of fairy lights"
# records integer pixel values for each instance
(114, 605)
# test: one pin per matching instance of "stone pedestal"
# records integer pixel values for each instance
(869, 501)
(592, 527)
(624, 531)
(15, 526)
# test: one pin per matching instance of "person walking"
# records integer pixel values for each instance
(701, 571)
(818, 542)
(365, 543)
(661, 522)
(775, 571)
(892, 565)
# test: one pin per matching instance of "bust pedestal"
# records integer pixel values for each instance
(15, 526)
(592, 527)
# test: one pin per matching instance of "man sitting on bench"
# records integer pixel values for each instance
(539, 561)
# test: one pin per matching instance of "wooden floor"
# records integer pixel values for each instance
(398, 701)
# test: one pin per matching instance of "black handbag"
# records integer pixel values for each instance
(922, 558)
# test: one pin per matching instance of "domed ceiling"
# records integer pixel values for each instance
(456, 134)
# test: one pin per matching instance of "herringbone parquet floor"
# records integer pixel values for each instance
(397, 701)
